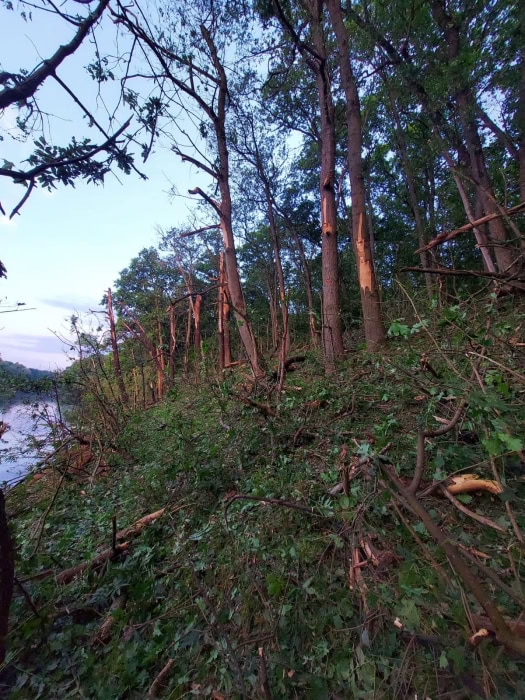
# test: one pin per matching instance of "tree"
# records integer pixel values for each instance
(314, 52)
(372, 318)
(188, 51)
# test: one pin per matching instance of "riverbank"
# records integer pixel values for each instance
(240, 544)
(22, 414)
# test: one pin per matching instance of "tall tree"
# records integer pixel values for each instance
(188, 49)
(372, 318)
(315, 54)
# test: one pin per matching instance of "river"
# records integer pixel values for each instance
(16, 455)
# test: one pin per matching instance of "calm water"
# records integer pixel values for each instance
(16, 458)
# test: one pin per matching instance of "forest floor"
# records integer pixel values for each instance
(252, 578)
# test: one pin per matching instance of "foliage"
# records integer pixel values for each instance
(16, 377)
(216, 579)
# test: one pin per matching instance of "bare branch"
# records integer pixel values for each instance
(212, 202)
(25, 89)
(199, 230)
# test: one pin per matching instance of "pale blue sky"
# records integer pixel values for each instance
(68, 246)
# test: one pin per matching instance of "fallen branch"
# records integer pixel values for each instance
(156, 686)
(449, 235)
(264, 408)
(483, 622)
(137, 527)
(72, 573)
(422, 435)
(104, 631)
(504, 633)
(471, 514)
(465, 483)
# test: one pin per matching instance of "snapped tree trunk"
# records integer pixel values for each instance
(332, 331)
(370, 303)
(116, 356)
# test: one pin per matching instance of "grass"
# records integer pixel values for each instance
(257, 599)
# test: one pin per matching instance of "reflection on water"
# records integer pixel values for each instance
(16, 455)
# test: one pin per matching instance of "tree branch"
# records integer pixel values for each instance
(212, 202)
(25, 89)
(449, 235)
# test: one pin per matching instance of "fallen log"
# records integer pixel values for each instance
(136, 528)
(67, 575)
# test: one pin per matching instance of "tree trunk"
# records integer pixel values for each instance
(223, 313)
(173, 342)
(116, 356)
(278, 264)
(197, 339)
(161, 364)
(465, 100)
(189, 318)
(412, 195)
(314, 333)
(521, 104)
(225, 213)
(332, 333)
(372, 318)
(7, 574)
(481, 239)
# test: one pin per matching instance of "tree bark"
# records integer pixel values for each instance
(116, 355)
(521, 104)
(278, 262)
(173, 340)
(197, 338)
(225, 213)
(7, 574)
(372, 318)
(332, 332)
(412, 194)
(223, 313)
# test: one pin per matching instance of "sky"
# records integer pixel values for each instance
(68, 246)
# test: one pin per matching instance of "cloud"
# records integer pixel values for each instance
(37, 351)
(72, 303)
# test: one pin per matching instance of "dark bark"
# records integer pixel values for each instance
(465, 100)
(412, 194)
(521, 104)
(332, 332)
(225, 212)
(7, 574)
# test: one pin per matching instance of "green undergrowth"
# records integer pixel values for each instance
(253, 598)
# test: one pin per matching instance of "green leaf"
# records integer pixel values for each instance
(464, 498)
(275, 585)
